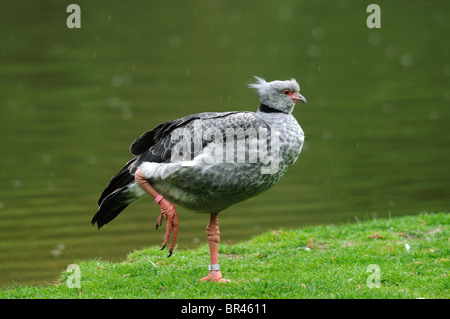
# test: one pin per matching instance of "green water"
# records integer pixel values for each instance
(72, 101)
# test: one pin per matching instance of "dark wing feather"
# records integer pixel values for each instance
(156, 145)
(149, 138)
(142, 143)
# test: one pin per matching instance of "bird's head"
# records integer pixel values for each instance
(278, 95)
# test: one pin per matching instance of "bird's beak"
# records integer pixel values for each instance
(297, 97)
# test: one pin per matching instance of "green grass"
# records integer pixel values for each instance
(312, 262)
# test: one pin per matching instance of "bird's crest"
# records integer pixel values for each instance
(259, 85)
(263, 86)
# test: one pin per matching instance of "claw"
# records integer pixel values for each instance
(170, 214)
(159, 220)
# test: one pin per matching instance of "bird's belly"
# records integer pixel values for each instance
(212, 188)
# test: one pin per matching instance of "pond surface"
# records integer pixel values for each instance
(73, 100)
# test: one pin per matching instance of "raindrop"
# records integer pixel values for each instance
(434, 115)
(51, 186)
(318, 33)
(114, 101)
(224, 41)
(55, 252)
(285, 13)
(124, 106)
(58, 250)
(174, 41)
(406, 60)
(116, 80)
(46, 158)
(17, 183)
(126, 112)
(313, 50)
(121, 79)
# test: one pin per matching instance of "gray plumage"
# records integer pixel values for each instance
(207, 162)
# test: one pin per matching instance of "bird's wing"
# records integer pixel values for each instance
(150, 138)
(157, 145)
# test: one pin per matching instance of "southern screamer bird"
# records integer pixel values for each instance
(209, 161)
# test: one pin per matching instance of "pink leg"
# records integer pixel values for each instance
(167, 210)
(213, 235)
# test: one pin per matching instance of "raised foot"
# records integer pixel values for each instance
(215, 276)
(169, 212)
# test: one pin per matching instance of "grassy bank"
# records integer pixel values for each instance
(409, 257)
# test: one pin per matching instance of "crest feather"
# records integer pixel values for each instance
(261, 83)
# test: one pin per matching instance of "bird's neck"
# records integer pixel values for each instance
(267, 109)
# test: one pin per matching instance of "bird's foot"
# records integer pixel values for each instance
(169, 212)
(215, 276)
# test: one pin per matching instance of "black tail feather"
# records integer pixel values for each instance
(114, 198)
(121, 179)
(111, 206)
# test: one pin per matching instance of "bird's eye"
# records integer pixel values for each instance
(286, 92)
